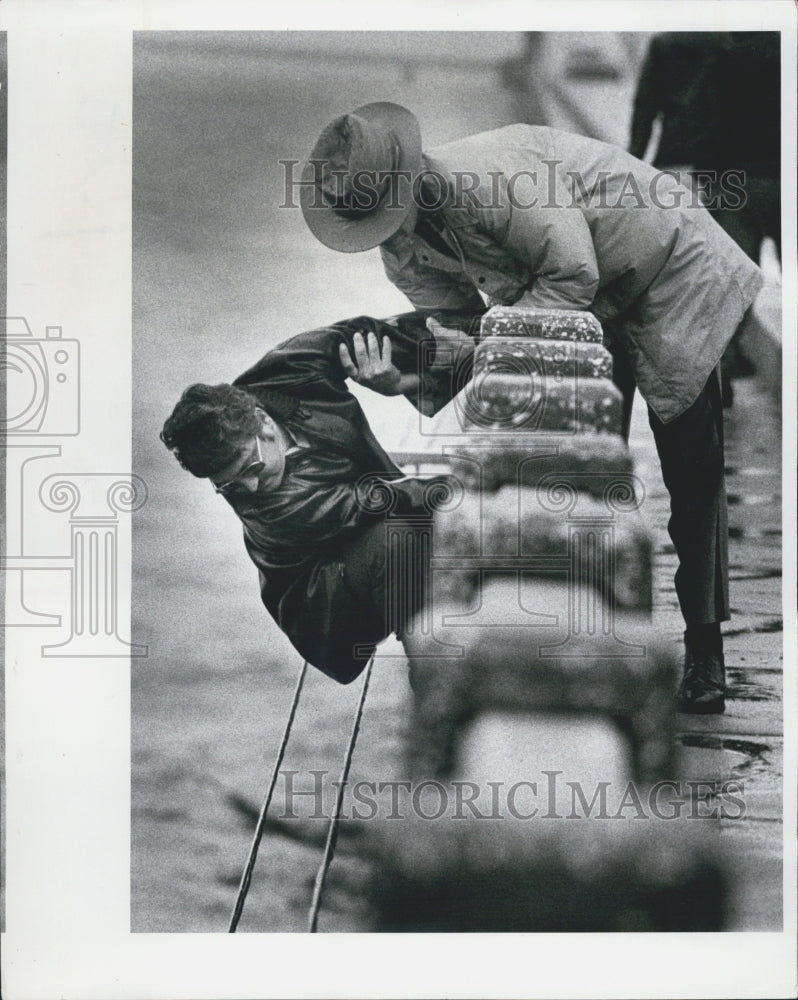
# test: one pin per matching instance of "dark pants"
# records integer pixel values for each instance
(336, 614)
(690, 449)
(374, 583)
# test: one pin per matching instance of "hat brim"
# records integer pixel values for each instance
(353, 235)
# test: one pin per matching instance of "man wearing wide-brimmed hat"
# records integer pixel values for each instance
(534, 216)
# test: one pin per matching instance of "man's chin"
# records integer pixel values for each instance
(271, 481)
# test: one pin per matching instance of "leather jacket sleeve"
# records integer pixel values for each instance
(307, 367)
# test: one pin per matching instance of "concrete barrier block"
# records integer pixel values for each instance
(590, 462)
(500, 402)
(555, 530)
(549, 324)
(542, 647)
(594, 876)
(554, 359)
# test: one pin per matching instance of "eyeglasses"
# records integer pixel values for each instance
(253, 469)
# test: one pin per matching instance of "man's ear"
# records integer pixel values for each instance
(267, 430)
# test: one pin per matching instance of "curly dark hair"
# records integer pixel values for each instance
(203, 424)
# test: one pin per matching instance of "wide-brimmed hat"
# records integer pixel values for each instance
(359, 179)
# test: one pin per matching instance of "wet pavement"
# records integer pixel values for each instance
(744, 744)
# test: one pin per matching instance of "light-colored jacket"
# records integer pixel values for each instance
(568, 222)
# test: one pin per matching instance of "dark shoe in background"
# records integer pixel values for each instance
(703, 687)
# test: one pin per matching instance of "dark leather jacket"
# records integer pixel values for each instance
(293, 531)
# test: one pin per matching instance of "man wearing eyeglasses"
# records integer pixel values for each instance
(289, 448)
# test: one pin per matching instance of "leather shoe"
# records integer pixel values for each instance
(703, 687)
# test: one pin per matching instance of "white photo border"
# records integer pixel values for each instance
(68, 722)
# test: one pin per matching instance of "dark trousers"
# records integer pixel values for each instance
(336, 614)
(690, 450)
(339, 612)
